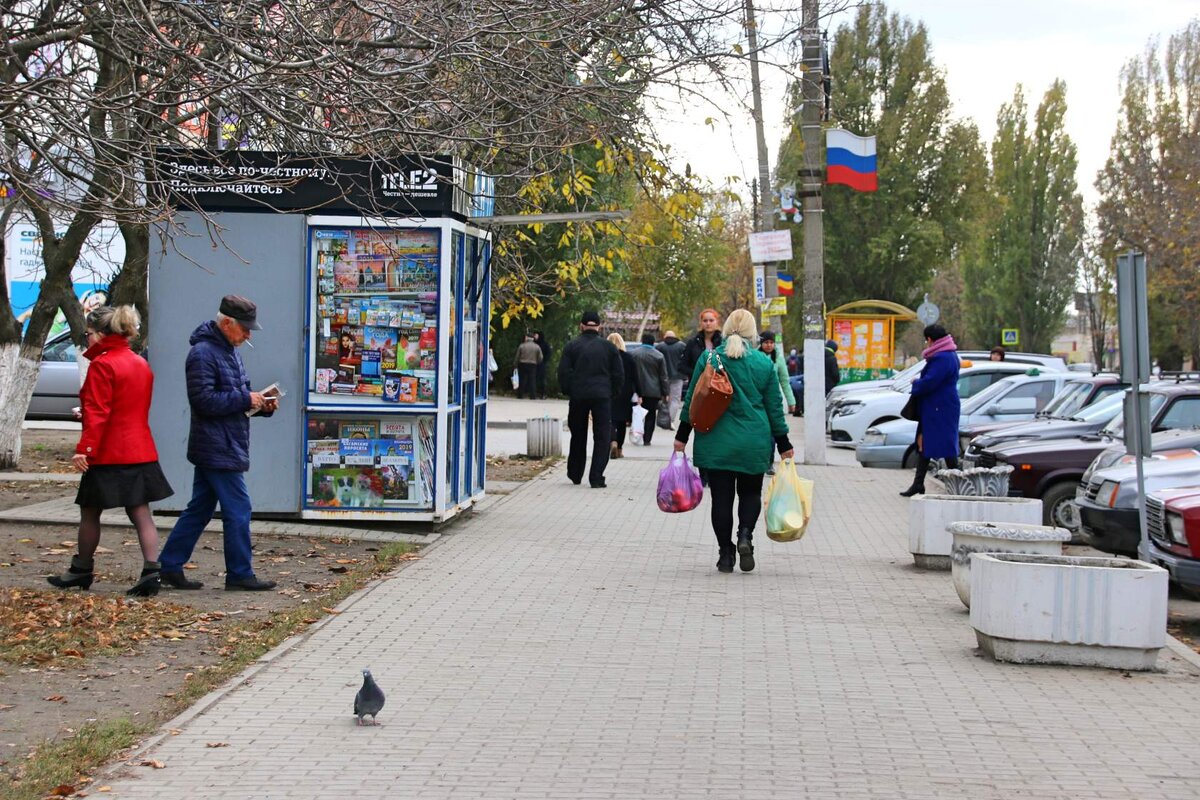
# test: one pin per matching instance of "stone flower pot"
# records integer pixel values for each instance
(976, 481)
(1095, 612)
(989, 537)
(928, 515)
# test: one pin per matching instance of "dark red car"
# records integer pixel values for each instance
(1173, 521)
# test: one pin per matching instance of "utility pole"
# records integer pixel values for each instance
(812, 82)
(764, 219)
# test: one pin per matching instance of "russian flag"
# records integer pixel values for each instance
(850, 160)
(783, 282)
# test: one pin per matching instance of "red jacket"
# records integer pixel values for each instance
(116, 405)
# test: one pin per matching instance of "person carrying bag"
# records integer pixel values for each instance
(733, 403)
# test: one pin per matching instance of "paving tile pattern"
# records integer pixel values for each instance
(574, 643)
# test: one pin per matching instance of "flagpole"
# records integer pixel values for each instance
(812, 82)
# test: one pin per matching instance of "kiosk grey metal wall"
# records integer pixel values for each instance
(187, 281)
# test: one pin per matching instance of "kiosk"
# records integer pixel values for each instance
(372, 289)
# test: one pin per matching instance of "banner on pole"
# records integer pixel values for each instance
(770, 246)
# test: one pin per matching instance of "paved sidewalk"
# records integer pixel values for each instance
(574, 643)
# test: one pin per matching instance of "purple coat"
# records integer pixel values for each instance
(938, 405)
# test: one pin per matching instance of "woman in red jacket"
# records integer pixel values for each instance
(116, 452)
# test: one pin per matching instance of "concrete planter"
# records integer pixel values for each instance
(976, 481)
(543, 437)
(1094, 612)
(929, 515)
(987, 537)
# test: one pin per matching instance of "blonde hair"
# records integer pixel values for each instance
(616, 339)
(739, 329)
(123, 320)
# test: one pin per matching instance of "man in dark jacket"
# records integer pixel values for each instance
(672, 349)
(590, 374)
(651, 381)
(832, 373)
(219, 447)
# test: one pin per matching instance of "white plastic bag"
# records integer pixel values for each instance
(516, 381)
(638, 426)
(789, 503)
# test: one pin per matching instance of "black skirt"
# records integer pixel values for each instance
(122, 485)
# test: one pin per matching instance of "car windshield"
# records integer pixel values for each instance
(1068, 401)
(988, 395)
(1103, 409)
(1117, 426)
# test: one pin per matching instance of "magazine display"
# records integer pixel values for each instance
(369, 463)
(376, 328)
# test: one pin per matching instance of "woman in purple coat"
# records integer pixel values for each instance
(937, 402)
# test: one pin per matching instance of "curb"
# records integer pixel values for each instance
(1183, 651)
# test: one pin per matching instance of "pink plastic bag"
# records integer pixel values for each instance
(679, 487)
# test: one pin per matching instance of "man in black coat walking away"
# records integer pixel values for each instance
(590, 375)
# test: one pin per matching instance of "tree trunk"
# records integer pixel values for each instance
(18, 376)
(129, 285)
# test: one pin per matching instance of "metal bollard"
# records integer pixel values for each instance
(543, 437)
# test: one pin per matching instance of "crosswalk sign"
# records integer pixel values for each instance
(1010, 337)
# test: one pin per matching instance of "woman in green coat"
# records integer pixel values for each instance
(736, 453)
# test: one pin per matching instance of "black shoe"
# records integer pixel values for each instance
(725, 562)
(177, 580)
(600, 484)
(248, 585)
(745, 553)
(147, 585)
(72, 580)
(914, 489)
(576, 481)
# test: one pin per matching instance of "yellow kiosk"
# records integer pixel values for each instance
(865, 332)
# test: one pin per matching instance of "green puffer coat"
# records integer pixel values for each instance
(744, 436)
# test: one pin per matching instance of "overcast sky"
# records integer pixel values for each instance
(985, 47)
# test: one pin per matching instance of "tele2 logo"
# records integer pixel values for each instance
(414, 180)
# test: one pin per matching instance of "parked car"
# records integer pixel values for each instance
(1052, 468)
(1091, 419)
(1078, 393)
(893, 444)
(1173, 522)
(57, 388)
(1108, 511)
(854, 414)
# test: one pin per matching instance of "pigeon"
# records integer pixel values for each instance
(369, 700)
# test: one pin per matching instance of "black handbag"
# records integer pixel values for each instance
(910, 410)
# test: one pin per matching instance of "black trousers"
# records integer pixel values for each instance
(578, 412)
(724, 485)
(527, 375)
(618, 434)
(541, 378)
(651, 406)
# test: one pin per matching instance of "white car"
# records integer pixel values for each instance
(850, 418)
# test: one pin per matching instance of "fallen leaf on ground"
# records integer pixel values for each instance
(174, 731)
(104, 789)
(339, 570)
(55, 698)
(191, 566)
(216, 744)
(62, 790)
(150, 762)
(6, 706)
(328, 610)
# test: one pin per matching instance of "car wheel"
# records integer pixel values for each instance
(911, 458)
(1059, 509)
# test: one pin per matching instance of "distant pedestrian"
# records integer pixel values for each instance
(833, 373)
(736, 453)
(529, 356)
(768, 348)
(219, 447)
(622, 401)
(116, 451)
(590, 374)
(997, 354)
(794, 364)
(937, 405)
(651, 381)
(540, 339)
(673, 349)
(707, 338)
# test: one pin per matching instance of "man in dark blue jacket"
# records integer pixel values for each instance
(590, 374)
(219, 447)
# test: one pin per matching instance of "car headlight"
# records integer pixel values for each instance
(1107, 496)
(1175, 527)
(873, 437)
(846, 409)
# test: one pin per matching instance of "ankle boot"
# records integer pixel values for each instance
(79, 575)
(745, 549)
(916, 488)
(149, 583)
(725, 561)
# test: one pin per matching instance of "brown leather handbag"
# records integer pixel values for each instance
(711, 397)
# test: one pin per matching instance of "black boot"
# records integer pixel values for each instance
(725, 561)
(918, 484)
(745, 549)
(177, 580)
(149, 583)
(79, 575)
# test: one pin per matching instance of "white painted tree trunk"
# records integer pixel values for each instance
(18, 376)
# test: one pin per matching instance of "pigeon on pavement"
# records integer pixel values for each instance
(369, 700)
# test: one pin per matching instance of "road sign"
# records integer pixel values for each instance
(771, 246)
(760, 284)
(928, 312)
(1010, 337)
(775, 307)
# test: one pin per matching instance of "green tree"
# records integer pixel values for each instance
(1024, 275)
(1150, 190)
(932, 169)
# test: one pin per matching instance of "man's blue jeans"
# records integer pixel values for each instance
(209, 487)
